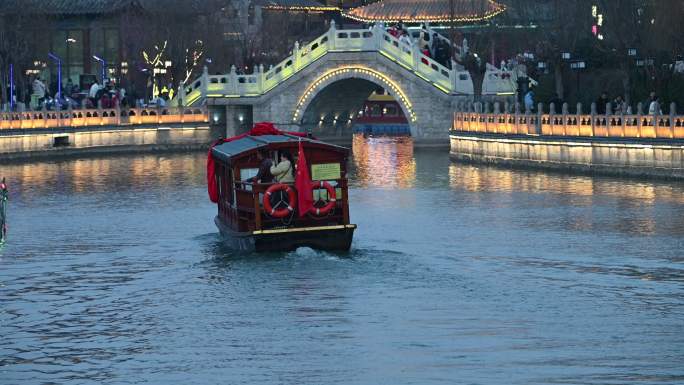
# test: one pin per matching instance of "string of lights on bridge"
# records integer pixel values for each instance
(388, 83)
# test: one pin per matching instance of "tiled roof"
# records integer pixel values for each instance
(426, 10)
(98, 7)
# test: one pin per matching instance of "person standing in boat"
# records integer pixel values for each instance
(265, 163)
(284, 171)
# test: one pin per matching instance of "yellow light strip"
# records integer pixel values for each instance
(499, 8)
(301, 229)
(384, 80)
(299, 8)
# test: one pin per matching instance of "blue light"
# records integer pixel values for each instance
(104, 67)
(11, 95)
(59, 74)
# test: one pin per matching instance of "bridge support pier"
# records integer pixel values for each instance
(239, 118)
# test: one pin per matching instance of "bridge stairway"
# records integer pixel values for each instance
(455, 81)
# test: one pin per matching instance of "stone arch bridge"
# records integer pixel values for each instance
(323, 84)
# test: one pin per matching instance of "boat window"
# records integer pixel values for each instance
(375, 110)
(246, 173)
(391, 110)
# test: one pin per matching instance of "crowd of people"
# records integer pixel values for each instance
(431, 45)
(96, 95)
(603, 104)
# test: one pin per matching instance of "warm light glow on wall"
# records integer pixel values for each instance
(354, 72)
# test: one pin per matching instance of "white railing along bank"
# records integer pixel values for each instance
(100, 117)
(510, 119)
(409, 56)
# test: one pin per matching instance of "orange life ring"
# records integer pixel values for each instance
(332, 199)
(284, 211)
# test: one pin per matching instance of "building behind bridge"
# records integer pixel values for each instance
(141, 42)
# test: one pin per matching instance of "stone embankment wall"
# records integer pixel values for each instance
(622, 144)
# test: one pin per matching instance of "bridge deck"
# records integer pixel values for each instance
(450, 81)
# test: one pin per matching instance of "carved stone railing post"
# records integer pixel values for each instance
(593, 118)
(182, 96)
(296, 57)
(117, 111)
(640, 121)
(540, 113)
(332, 35)
(260, 79)
(233, 81)
(205, 81)
(579, 118)
(673, 112)
(452, 72)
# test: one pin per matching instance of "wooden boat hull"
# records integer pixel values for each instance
(332, 238)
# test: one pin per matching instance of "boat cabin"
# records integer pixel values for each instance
(266, 216)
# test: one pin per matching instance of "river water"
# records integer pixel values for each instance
(114, 273)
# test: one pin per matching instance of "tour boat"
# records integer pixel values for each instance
(311, 212)
(381, 115)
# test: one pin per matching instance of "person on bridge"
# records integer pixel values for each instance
(601, 103)
(405, 38)
(529, 101)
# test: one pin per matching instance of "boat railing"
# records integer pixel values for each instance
(249, 204)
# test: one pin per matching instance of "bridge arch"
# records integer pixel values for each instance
(354, 76)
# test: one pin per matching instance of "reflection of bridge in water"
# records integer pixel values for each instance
(323, 84)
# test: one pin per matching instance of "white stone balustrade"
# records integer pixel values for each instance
(512, 121)
(100, 117)
(409, 56)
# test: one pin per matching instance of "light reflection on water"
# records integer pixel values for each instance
(114, 274)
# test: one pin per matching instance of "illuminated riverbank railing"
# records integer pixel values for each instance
(510, 120)
(101, 117)
(375, 39)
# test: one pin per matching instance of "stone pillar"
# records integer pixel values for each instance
(331, 35)
(260, 78)
(205, 80)
(296, 57)
(565, 110)
(673, 113)
(181, 95)
(593, 116)
(579, 118)
(232, 76)
(540, 112)
(238, 119)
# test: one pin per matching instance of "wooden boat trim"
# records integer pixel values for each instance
(300, 229)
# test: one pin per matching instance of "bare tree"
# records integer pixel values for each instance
(19, 34)
(643, 38)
